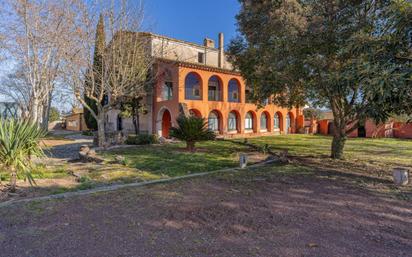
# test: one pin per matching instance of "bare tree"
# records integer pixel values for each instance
(16, 87)
(115, 71)
(37, 35)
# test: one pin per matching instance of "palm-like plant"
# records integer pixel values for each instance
(191, 130)
(19, 141)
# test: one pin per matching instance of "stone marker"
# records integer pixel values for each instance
(401, 176)
(243, 161)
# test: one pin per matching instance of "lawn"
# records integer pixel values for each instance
(372, 157)
(383, 151)
(173, 160)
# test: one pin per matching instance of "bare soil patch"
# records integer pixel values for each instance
(278, 211)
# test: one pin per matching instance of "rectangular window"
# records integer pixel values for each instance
(212, 93)
(248, 123)
(168, 91)
(213, 124)
(263, 124)
(201, 57)
(276, 123)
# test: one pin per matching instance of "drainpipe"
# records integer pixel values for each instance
(221, 51)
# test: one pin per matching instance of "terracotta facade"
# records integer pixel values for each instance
(178, 103)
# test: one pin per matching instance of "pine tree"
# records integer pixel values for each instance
(352, 57)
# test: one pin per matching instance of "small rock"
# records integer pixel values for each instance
(312, 245)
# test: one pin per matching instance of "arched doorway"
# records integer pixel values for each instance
(166, 123)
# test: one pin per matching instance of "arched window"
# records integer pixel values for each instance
(215, 89)
(249, 121)
(276, 121)
(192, 87)
(234, 95)
(264, 121)
(232, 121)
(213, 121)
(195, 113)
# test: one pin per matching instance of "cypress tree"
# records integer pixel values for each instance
(100, 45)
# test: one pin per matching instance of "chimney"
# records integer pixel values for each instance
(209, 43)
(221, 51)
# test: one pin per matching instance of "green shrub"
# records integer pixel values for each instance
(192, 129)
(142, 139)
(85, 183)
(19, 142)
(88, 133)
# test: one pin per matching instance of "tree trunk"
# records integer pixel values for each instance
(338, 143)
(13, 180)
(136, 121)
(136, 116)
(46, 113)
(35, 110)
(101, 129)
(190, 146)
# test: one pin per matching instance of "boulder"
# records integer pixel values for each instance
(88, 155)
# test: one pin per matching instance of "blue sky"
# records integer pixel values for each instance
(192, 20)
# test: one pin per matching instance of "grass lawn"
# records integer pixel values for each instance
(383, 151)
(371, 157)
(173, 160)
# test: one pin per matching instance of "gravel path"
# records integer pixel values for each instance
(243, 214)
(67, 149)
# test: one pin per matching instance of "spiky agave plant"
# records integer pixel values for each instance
(19, 141)
(191, 130)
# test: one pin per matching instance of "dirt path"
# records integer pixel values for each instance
(264, 213)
